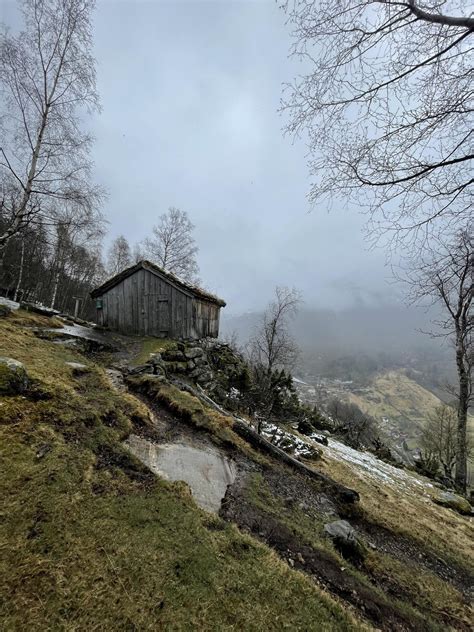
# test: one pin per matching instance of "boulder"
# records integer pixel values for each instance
(173, 355)
(200, 361)
(155, 358)
(193, 352)
(13, 377)
(197, 373)
(453, 501)
(320, 439)
(177, 367)
(345, 539)
(205, 377)
(12, 305)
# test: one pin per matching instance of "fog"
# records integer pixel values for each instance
(190, 118)
(190, 94)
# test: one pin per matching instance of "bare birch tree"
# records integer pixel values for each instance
(446, 276)
(172, 245)
(119, 256)
(47, 82)
(273, 346)
(439, 439)
(385, 102)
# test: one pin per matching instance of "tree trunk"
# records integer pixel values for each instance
(463, 405)
(20, 273)
(55, 289)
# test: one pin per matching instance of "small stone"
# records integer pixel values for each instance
(78, 368)
(42, 450)
(291, 562)
(13, 377)
(300, 558)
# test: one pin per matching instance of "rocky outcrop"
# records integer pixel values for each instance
(13, 377)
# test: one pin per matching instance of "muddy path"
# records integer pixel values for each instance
(364, 592)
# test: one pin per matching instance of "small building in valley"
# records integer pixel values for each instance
(145, 299)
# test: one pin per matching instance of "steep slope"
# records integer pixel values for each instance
(92, 539)
(399, 404)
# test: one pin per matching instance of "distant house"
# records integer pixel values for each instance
(146, 300)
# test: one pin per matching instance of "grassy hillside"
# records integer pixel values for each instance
(400, 405)
(91, 540)
(400, 400)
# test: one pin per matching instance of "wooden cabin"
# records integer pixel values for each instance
(146, 300)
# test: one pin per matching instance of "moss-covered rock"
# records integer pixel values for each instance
(13, 377)
(453, 501)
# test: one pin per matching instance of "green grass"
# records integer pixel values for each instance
(193, 411)
(149, 346)
(91, 540)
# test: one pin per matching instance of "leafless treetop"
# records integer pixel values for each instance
(387, 108)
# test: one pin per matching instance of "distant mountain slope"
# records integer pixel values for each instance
(399, 403)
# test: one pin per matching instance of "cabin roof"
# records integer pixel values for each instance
(168, 276)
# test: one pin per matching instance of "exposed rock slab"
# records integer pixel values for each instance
(204, 469)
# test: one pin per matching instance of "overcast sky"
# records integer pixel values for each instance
(190, 94)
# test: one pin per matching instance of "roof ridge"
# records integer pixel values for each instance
(153, 267)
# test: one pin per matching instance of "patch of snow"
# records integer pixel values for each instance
(369, 465)
(298, 381)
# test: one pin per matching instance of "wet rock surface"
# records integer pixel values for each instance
(206, 470)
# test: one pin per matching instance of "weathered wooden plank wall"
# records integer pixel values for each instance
(147, 304)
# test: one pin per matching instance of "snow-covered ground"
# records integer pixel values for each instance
(364, 464)
(369, 465)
